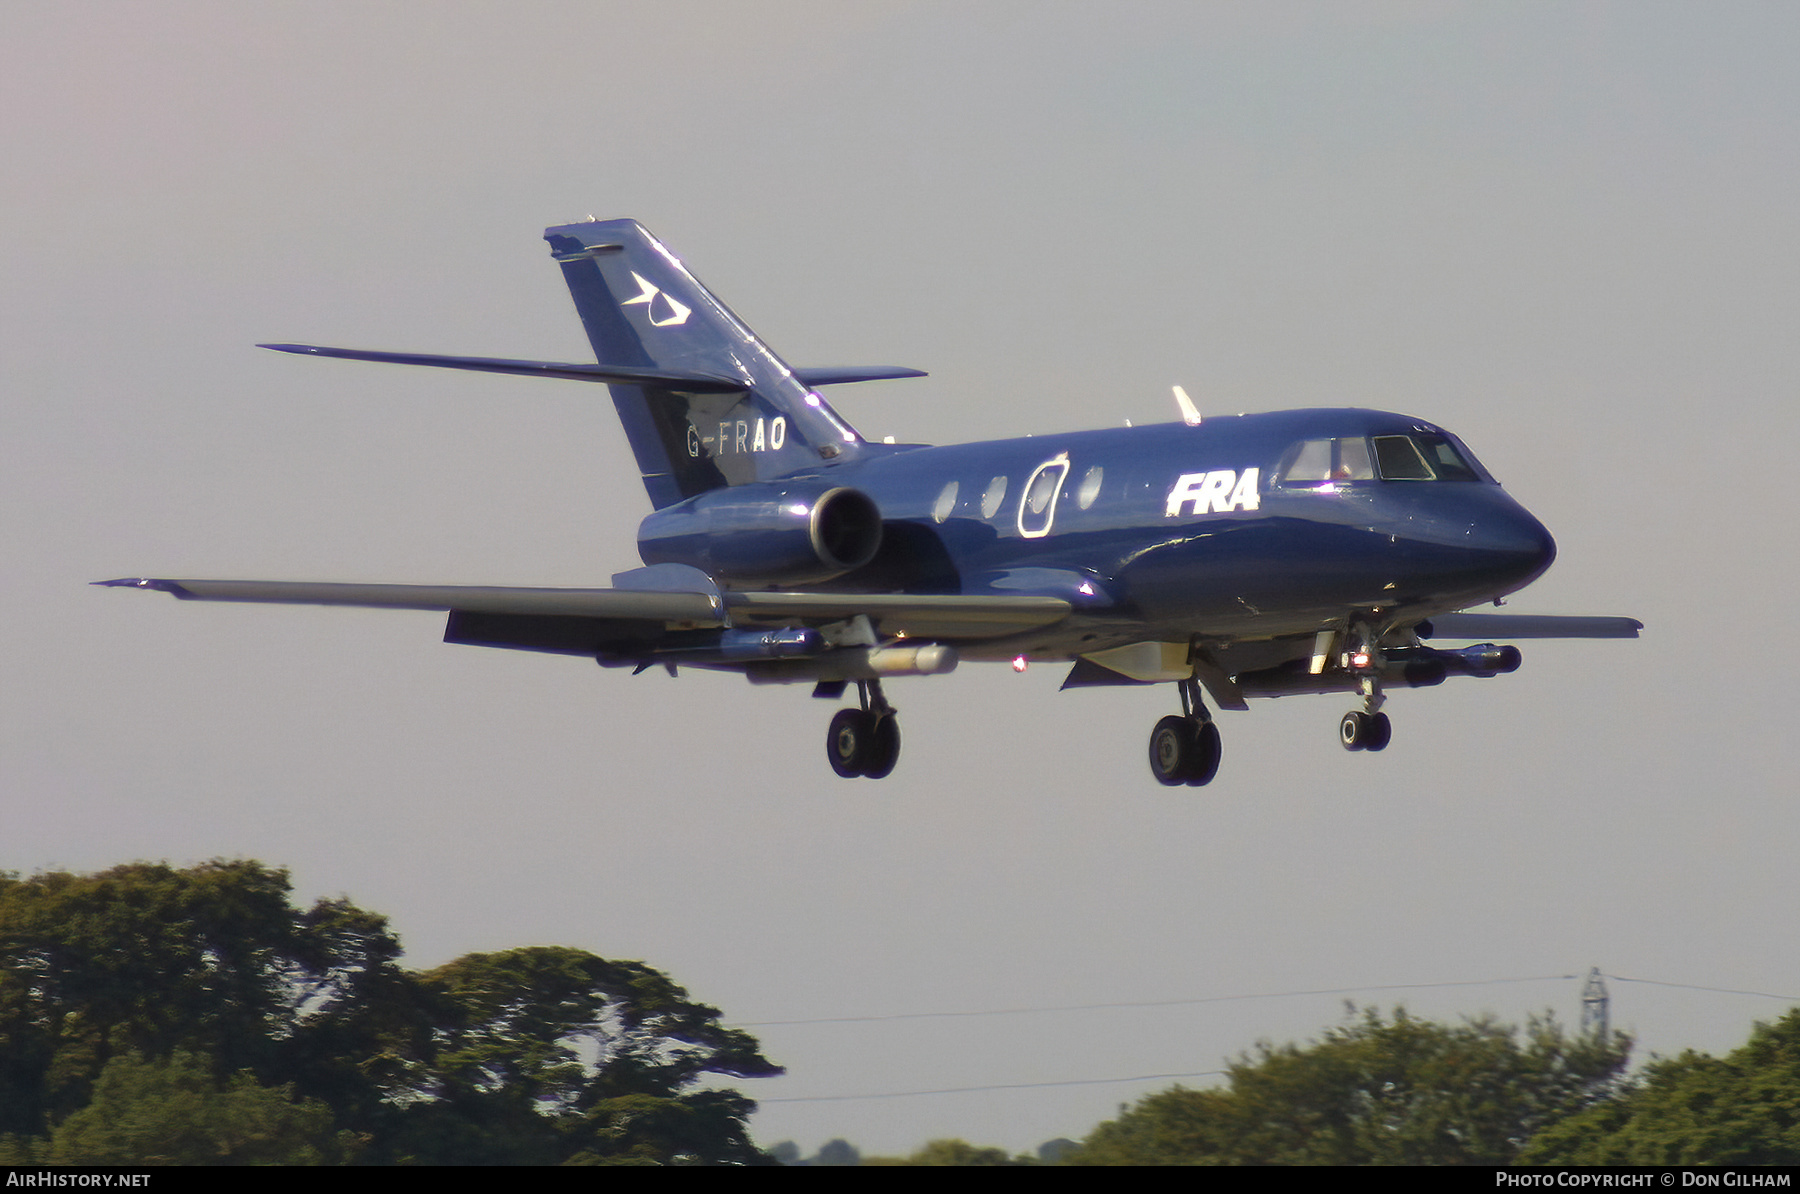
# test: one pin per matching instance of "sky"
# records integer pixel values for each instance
(1564, 231)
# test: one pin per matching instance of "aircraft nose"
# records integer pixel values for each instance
(1514, 545)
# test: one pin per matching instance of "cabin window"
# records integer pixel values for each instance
(1090, 487)
(946, 502)
(996, 493)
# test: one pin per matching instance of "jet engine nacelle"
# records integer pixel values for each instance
(776, 533)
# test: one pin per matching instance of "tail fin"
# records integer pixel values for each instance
(644, 311)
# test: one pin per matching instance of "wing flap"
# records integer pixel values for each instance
(921, 616)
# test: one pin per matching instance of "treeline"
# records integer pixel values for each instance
(1397, 1090)
(153, 1015)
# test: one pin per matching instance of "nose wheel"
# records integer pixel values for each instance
(864, 742)
(1365, 731)
(1186, 749)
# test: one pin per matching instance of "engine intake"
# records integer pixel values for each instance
(766, 534)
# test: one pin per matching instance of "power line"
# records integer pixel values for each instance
(1619, 978)
(1594, 974)
(1094, 1007)
(907, 1094)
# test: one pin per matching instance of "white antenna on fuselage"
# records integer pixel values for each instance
(1190, 414)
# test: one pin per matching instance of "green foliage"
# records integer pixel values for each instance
(604, 1051)
(1375, 1091)
(173, 1112)
(953, 1152)
(140, 958)
(1694, 1109)
(254, 1018)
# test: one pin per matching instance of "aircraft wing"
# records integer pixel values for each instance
(1499, 626)
(920, 616)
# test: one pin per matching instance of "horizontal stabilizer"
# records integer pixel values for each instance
(677, 379)
(843, 374)
(893, 615)
(1501, 626)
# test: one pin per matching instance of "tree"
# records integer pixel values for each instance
(1743, 1109)
(113, 983)
(953, 1152)
(1399, 1091)
(147, 959)
(588, 1060)
(173, 1112)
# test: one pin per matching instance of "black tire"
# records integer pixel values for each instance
(849, 741)
(1208, 750)
(1381, 732)
(884, 748)
(1171, 749)
(1353, 731)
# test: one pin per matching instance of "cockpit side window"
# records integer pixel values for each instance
(1322, 461)
(1311, 461)
(1353, 462)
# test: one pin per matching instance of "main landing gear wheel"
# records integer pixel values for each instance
(850, 742)
(1365, 731)
(885, 750)
(1186, 749)
(866, 741)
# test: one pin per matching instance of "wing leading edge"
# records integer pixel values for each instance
(921, 616)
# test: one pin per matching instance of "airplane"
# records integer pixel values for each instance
(1236, 556)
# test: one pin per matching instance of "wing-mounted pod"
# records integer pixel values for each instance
(771, 534)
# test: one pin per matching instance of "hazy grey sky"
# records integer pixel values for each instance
(1565, 230)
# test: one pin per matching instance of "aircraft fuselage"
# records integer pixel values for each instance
(1173, 530)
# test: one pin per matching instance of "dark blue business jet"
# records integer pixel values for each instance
(1238, 556)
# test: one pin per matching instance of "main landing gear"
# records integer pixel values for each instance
(864, 741)
(1186, 749)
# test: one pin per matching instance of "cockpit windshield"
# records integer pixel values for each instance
(1419, 456)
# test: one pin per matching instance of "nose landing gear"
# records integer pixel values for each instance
(1186, 749)
(866, 741)
(1367, 728)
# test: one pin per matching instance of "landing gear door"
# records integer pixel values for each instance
(1037, 503)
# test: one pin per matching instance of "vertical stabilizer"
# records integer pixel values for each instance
(643, 309)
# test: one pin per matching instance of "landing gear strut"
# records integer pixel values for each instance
(1186, 749)
(865, 741)
(1367, 728)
